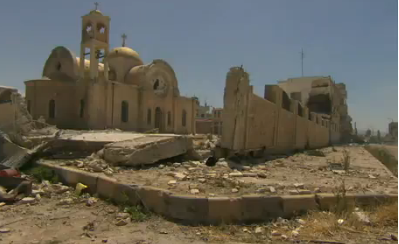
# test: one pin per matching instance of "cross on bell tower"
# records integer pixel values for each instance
(94, 42)
(124, 37)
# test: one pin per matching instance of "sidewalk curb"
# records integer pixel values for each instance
(209, 210)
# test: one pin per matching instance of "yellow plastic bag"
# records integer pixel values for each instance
(79, 188)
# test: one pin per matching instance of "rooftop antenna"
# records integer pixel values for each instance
(124, 37)
(96, 4)
(302, 57)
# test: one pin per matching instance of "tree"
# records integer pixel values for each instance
(368, 133)
(378, 136)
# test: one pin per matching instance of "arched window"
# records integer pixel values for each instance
(169, 118)
(51, 109)
(82, 108)
(149, 116)
(112, 75)
(100, 28)
(125, 112)
(184, 118)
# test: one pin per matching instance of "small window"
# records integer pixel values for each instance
(169, 118)
(82, 108)
(156, 84)
(300, 110)
(149, 116)
(112, 75)
(125, 112)
(286, 102)
(184, 118)
(59, 66)
(51, 109)
(28, 105)
(310, 116)
(317, 120)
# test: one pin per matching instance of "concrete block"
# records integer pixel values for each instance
(293, 205)
(326, 201)
(154, 198)
(110, 188)
(106, 187)
(187, 208)
(146, 150)
(369, 199)
(258, 208)
(224, 210)
(330, 202)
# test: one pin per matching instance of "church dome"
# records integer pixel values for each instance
(96, 12)
(121, 60)
(124, 52)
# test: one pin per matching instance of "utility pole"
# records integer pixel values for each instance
(302, 57)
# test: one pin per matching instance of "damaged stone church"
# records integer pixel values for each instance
(109, 89)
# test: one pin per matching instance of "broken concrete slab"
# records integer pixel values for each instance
(10, 151)
(89, 141)
(147, 149)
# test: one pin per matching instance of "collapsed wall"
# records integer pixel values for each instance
(15, 119)
(273, 124)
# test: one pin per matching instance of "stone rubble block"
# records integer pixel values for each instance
(146, 150)
(224, 209)
(155, 199)
(298, 204)
(260, 208)
(189, 208)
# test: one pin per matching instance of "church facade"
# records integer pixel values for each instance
(110, 89)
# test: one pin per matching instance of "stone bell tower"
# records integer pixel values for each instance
(94, 43)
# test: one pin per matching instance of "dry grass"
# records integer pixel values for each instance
(346, 160)
(317, 226)
(386, 215)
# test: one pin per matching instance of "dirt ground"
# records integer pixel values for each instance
(45, 221)
(297, 174)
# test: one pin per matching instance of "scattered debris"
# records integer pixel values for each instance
(79, 188)
(27, 200)
(262, 175)
(4, 230)
(258, 230)
(299, 185)
(172, 182)
(362, 217)
(234, 190)
(91, 201)
(121, 222)
(276, 233)
(194, 191)
(340, 221)
(180, 176)
(66, 201)
(236, 174)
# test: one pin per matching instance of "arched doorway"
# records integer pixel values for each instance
(158, 119)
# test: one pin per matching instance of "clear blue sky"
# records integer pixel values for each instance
(353, 41)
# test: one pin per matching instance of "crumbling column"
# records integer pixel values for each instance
(235, 109)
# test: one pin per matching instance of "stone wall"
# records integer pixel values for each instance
(274, 123)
